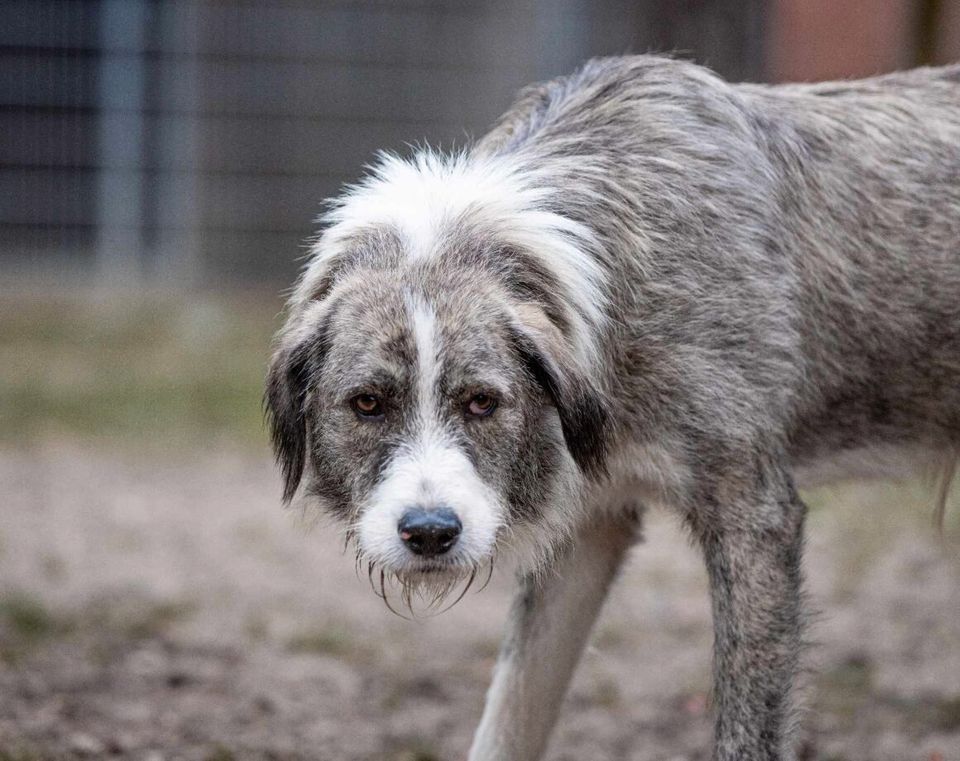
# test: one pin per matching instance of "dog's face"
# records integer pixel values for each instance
(434, 405)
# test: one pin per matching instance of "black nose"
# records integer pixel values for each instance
(429, 532)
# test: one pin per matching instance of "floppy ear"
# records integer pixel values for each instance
(285, 402)
(584, 419)
(296, 359)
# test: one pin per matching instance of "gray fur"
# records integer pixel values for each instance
(781, 280)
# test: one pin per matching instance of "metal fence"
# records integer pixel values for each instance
(192, 141)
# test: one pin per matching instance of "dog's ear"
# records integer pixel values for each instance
(299, 355)
(584, 418)
(285, 403)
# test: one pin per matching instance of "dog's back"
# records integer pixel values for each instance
(872, 216)
(789, 256)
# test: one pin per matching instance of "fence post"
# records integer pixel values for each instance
(120, 95)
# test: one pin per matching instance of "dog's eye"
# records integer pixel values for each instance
(481, 405)
(367, 405)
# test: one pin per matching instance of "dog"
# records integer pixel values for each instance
(644, 285)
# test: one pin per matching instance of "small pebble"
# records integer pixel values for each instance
(88, 745)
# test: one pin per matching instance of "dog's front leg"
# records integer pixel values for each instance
(548, 626)
(753, 551)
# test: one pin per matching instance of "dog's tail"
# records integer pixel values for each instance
(948, 470)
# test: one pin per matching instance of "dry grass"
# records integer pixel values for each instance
(153, 369)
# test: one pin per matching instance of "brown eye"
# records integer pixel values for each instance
(367, 405)
(481, 405)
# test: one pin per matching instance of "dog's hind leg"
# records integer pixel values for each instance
(548, 626)
(753, 546)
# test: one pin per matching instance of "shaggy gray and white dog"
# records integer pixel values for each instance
(644, 285)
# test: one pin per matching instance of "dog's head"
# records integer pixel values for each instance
(433, 386)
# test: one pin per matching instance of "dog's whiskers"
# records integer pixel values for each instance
(386, 599)
(371, 566)
(490, 564)
(473, 575)
(431, 590)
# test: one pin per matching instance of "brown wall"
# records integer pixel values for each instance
(812, 40)
(946, 43)
(828, 39)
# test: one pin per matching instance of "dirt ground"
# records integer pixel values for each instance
(164, 607)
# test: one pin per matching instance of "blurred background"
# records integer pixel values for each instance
(190, 142)
(161, 166)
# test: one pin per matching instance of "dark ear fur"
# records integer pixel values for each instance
(285, 402)
(583, 416)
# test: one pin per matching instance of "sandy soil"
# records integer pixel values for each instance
(167, 608)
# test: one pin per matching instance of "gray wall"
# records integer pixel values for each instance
(192, 141)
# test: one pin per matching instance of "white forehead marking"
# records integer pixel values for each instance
(424, 323)
(423, 197)
(429, 471)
